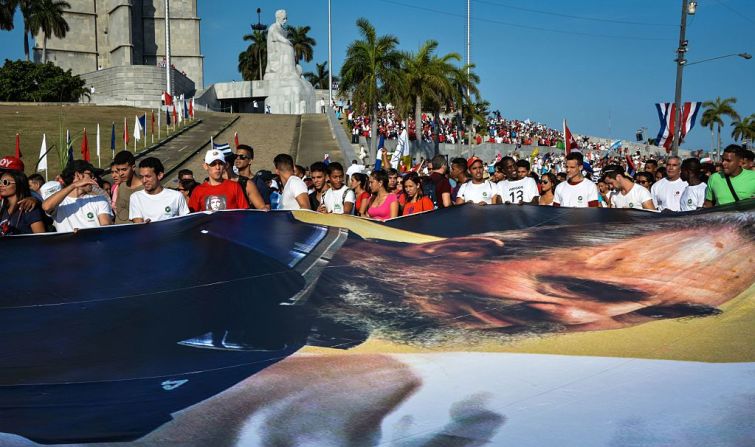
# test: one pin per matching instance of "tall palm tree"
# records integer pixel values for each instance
(6, 15)
(253, 60)
(714, 114)
(319, 78)
(427, 78)
(371, 71)
(301, 42)
(744, 129)
(9, 8)
(47, 17)
(466, 95)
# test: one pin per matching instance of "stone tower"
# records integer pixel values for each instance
(116, 33)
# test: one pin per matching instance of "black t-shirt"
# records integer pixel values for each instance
(19, 222)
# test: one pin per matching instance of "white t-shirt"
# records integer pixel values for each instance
(79, 213)
(633, 199)
(523, 190)
(693, 197)
(667, 194)
(294, 187)
(476, 193)
(335, 198)
(168, 203)
(576, 196)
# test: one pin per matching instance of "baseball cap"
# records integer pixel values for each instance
(11, 163)
(472, 161)
(214, 155)
(49, 189)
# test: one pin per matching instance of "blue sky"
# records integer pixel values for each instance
(537, 59)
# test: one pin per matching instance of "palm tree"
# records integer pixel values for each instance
(466, 95)
(301, 42)
(370, 72)
(6, 15)
(319, 79)
(744, 129)
(47, 17)
(715, 111)
(427, 78)
(253, 60)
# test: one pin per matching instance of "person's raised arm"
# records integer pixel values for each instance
(54, 200)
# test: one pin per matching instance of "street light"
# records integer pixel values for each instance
(261, 28)
(742, 55)
(688, 7)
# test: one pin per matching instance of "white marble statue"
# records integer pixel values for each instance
(281, 63)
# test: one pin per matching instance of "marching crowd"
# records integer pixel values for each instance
(80, 198)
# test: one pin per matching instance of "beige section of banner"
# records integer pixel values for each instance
(363, 227)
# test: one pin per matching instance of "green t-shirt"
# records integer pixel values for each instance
(744, 186)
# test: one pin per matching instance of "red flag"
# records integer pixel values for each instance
(85, 147)
(191, 108)
(153, 122)
(175, 115)
(236, 139)
(167, 99)
(569, 141)
(18, 146)
(125, 132)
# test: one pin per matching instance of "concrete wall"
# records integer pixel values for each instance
(139, 85)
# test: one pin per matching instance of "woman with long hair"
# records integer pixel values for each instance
(383, 205)
(548, 184)
(14, 187)
(359, 183)
(416, 202)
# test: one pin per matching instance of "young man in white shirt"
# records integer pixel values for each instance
(522, 188)
(667, 192)
(576, 191)
(295, 194)
(154, 202)
(338, 199)
(693, 196)
(629, 194)
(74, 207)
(477, 190)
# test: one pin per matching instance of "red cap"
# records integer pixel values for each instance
(11, 163)
(472, 161)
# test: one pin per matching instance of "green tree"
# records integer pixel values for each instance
(744, 129)
(714, 114)
(301, 42)
(371, 72)
(253, 60)
(25, 81)
(319, 78)
(47, 18)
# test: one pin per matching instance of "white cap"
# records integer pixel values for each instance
(49, 189)
(214, 155)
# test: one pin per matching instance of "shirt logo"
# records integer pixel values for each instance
(579, 198)
(484, 194)
(90, 215)
(167, 209)
(631, 205)
(689, 201)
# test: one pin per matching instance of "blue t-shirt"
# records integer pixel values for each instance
(19, 222)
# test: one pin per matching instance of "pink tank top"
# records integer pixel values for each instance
(383, 211)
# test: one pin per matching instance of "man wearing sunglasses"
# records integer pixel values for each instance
(256, 190)
(217, 193)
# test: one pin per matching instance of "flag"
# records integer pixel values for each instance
(405, 153)
(98, 142)
(534, 153)
(137, 129)
(186, 110)
(667, 116)
(112, 139)
(167, 99)
(569, 141)
(326, 160)
(175, 115)
(153, 122)
(143, 125)
(85, 147)
(191, 108)
(167, 116)
(224, 148)
(42, 165)
(236, 139)
(18, 146)
(125, 133)
(631, 170)
(615, 145)
(69, 147)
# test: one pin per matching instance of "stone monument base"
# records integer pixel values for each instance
(293, 96)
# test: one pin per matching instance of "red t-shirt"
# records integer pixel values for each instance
(423, 204)
(364, 196)
(225, 196)
(441, 185)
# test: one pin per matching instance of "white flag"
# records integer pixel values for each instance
(98, 140)
(43, 154)
(137, 129)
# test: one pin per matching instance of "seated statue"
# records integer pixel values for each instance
(281, 63)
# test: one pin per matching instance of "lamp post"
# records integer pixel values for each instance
(688, 7)
(742, 55)
(330, 58)
(261, 28)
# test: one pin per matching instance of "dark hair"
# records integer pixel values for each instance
(183, 172)
(124, 158)
(382, 177)
(246, 147)
(553, 179)
(522, 163)
(22, 184)
(188, 185)
(459, 162)
(648, 176)
(561, 176)
(505, 159)
(318, 166)
(335, 166)
(612, 171)
(36, 177)
(693, 165)
(362, 179)
(77, 166)
(414, 178)
(392, 171)
(662, 170)
(438, 161)
(284, 162)
(576, 156)
(302, 169)
(748, 154)
(154, 163)
(651, 161)
(735, 149)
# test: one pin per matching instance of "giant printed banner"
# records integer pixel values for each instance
(499, 325)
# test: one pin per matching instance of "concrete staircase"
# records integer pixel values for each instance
(316, 140)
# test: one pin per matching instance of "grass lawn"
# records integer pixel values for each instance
(31, 121)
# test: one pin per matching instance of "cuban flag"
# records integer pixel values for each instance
(616, 145)
(224, 148)
(667, 116)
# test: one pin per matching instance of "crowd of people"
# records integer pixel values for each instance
(81, 198)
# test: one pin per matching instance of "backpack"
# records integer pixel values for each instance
(428, 190)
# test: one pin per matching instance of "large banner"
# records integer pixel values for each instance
(505, 325)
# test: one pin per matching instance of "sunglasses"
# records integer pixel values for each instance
(544, 182)
(6, 182)
(243, 157)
